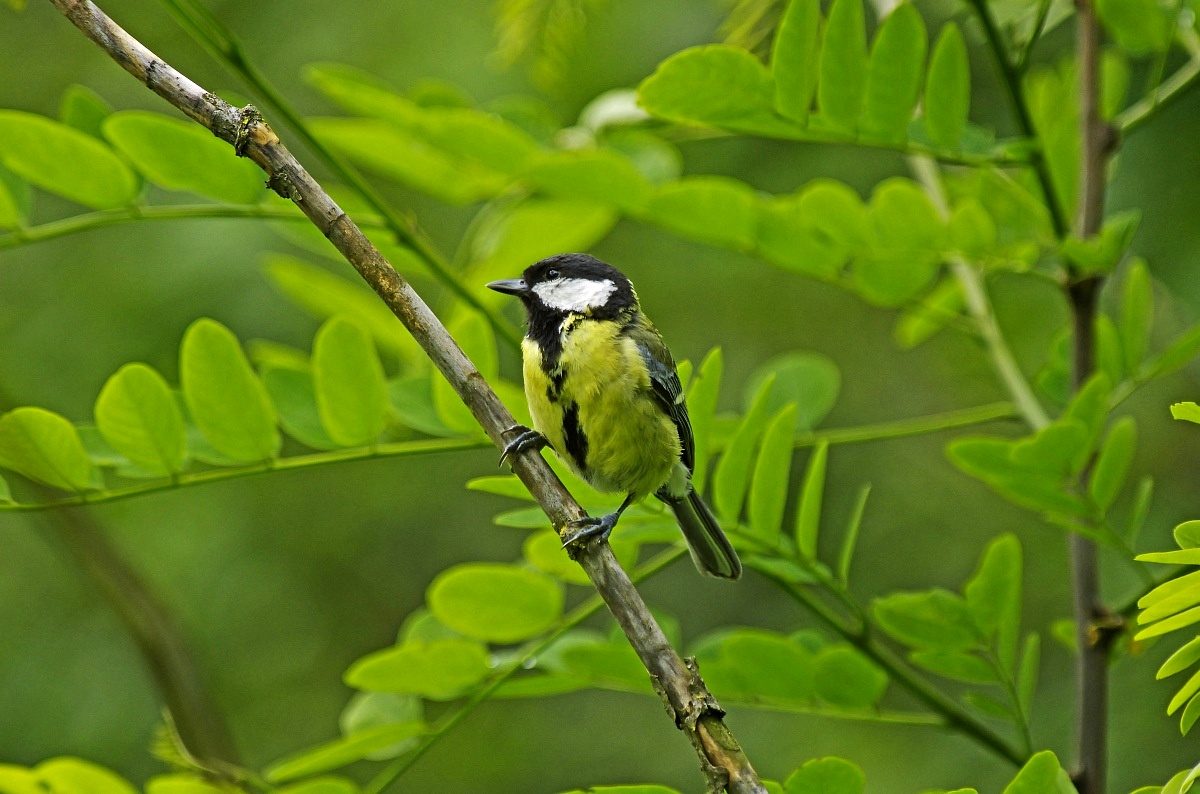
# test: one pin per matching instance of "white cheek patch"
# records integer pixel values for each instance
(575, 294)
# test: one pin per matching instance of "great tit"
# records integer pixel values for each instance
(604, 395)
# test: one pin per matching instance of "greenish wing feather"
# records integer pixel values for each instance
(668, 391)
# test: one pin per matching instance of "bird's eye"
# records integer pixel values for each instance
(552, 273)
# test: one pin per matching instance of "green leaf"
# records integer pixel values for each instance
(794, 59)
(1058, 448)
(714, 209)
(1187, 534)
(894, 74)
(1169, 588)
(718, 86)
(324, 295)
(1090, 406)
(769, 484)
(1112, 465)
(1190, 714)
(843, 68)
(647, 789)
(84, 109)
(493, 602)
(1137, 314)
(406, 158)
(934, 620)
(441, 669)
(1181, 557)
(66, 775)
(19, 780)
(733, 469)
(1178, 354)
(1114, 83)
(1141, 509)
(808, 514)
(1165, 607)
(811, 381)
(1054, 108)
(15, 200)
(918, 323)
(65, 161)
(788, 238)
(955, 665)
(329, 784)
(826, 776)
(845, 678)
(1139, 27)
(1170, 624)
(351, 391)
(948, 89)
(45, 447)
(850, 539)
(475, 336)
(702, 407)
(182, 155)
(1040, 775)
(972, 229)
(762, 664)
(1188, 412)
(372, 709)
(224, 397)
(1027, 673)
(341, 752)
(295, 398)
(602, 176)
(993, 594)
(1181, 660)
(181, 784)
(137, 414)
(509, 238)
(909, 232)
(1184, 694)
(543, 550)
(5, 493)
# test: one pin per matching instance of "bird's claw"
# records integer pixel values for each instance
(527, 439)
(581, 529)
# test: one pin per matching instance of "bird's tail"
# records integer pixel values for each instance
(711, 550)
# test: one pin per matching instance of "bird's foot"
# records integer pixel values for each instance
(527, 439)
(581, 529)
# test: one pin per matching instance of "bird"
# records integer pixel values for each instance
(605, 396)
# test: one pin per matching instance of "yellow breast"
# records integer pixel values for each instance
(631, 443)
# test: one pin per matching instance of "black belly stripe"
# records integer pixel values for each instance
(577, 443)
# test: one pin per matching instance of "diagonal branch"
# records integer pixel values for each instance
(694, 709)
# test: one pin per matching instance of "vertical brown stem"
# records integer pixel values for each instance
(1091, 665)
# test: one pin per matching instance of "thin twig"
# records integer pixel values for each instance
(396, 449)
(693, 707)
(1136, 115)
(101, 218)
(980, 308)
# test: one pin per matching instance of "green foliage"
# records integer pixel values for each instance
(349, 385)
(224, 397)
(948, 90)
(826, 776)
(65, 161)
(139, 416)
(340, 752)
(894, 75)
(769, 483)
(496, 603)
(439, 669)
(843, 68)
(972, 638)
(84, 109)
(180, 155)
(1140, 27)
(1041, 775)
(45, 447)
(808, 516)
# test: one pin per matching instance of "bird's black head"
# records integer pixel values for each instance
(571, 284)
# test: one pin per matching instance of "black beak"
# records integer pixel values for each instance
(510, 286)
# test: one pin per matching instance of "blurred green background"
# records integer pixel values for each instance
(282, 580)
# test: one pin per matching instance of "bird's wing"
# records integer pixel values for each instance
(668, 391)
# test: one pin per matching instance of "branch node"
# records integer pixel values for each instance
(281, 182)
